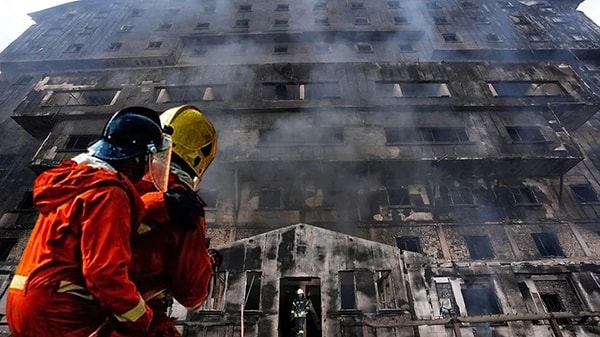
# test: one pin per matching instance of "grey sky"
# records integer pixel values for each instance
(14, 19)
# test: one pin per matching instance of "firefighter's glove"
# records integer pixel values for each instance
(185, 208)
(215, 259)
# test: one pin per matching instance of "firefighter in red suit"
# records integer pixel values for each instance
(170, 256)
(72, 278)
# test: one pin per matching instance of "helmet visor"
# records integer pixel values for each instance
(160, 165)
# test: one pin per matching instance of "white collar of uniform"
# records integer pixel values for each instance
(89, 160)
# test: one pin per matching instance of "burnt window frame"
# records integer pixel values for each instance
(347, 286)
(202, 26)
(364, 48)
(280, 49)
(400, 20)
(413, 89)
(440, 19)
(81, 97)
(164, 27)
(451, 38)
(303, 136)
(458, 195)
(197, 93)
(384, 287)
(479, 247)
(322, 21)
(424, 135)
(154, 44)
(244, 8)
(361, 21)
(393, 4)
(525, 134)
(399, 193)
(587, 194)
(253, 291)
(548, 244)
(483, 290)
(523, 196)
(516, 89)
(241, 23)
(114, 46)
(409, 243)
(282, 7)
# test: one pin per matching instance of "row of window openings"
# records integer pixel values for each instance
(477, 294)
(319, 90)
(479, 247)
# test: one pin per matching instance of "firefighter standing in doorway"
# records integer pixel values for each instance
(73, 272)
(170, 257)
(301, 306)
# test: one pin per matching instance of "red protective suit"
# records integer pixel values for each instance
(168, 259)
(73, 273)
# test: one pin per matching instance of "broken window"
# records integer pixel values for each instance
(409, 243)
(252, 294)
(202, 26)
(457, 195)
(209, 197)
(114, 46)
(450, 37)
(480, 299)
(280, 49)
(584, 193)
(357, 5)
(216, 292)
(245, 8)
(83, 97)
(448, 307)
(322, 21)
(185, 94)
(525, 134)
(347, 290)
(364, 48)
(269, 199)
(524, 89)
(479, 247)
(558, 295)
(301, 136)
(547, 244)
(74, 48)
(398, 196)
(282, 7)
(241, 23)
(280, 23)
(400, 20)
(26, 202)
(552, 302)
(288, 91)
(523, 195)
(6, 245)
(412, 89)
(440, 20)
(154, 44)
(426, 135)
(79, 142)
(385, 290)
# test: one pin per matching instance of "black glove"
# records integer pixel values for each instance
(184, 207)
(215, 259)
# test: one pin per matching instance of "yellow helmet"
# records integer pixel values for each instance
(194, 138)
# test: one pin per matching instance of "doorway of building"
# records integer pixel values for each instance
(288, 288)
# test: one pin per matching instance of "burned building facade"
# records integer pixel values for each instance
(420, 168)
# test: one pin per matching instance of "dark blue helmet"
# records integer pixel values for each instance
(129, 133)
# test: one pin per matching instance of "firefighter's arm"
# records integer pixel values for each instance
(106, 253)
(191, 270)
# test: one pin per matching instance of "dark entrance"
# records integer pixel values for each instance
(288, 288)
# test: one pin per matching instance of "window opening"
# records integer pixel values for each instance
(523, 195)
(385, 290)
(202, 26)
(456, 195)
(79, 142)
(547, 244)
(479, 247)
(245, 8)
(114, 46)
(154, 44)
(347, 290)
(426, 135)
(399, 196)
(409, 243)
(525, 134)
(242, 23)
(448, 307)
(269, 199)
(252, 294)
(584, 193)
(480, 300)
